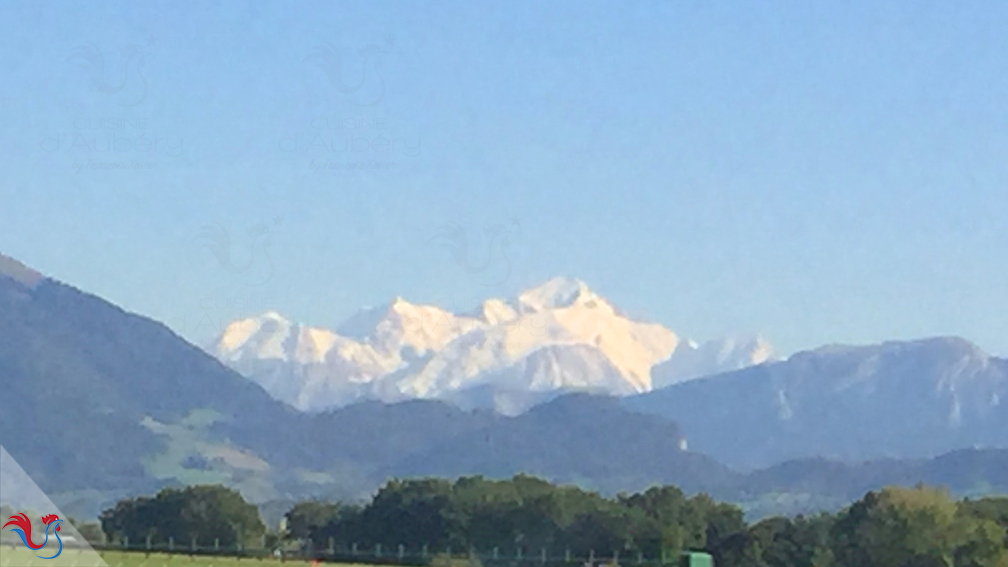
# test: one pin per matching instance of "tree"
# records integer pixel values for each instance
(720, 520)
(994, 509)
(673, 525)
(783, 542)
(894, 527)
(305, 519)
(90, 531)
(914, 527)
(606, 530)
(411, 513)
(202, 513)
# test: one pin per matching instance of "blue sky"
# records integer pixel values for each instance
(817, 174)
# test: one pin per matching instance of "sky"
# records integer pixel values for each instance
(812, 172)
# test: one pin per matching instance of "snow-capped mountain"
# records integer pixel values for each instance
(510, 355)
(691, 360)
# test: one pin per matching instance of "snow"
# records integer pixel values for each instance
(557, 337)
(692, 360)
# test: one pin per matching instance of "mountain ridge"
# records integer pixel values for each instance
(929, 396)
(125, 406)
(399, 350)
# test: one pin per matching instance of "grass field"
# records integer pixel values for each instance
(22, 557)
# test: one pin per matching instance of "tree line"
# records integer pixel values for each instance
(525, 516)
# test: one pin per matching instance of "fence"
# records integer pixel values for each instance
(397, 555)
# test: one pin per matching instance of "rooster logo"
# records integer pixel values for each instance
(93, 61)
(454, 238)
(23, 527)
(369, 89)
(218, 240)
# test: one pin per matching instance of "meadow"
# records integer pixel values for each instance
(21, 557)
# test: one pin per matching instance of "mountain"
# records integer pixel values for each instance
(807, 486)
(100, 403)
(80, 375)
(691, 360)
(908, 399)
(510, 355)
(577, 438)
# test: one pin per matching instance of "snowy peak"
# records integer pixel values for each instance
(263, 335)
(557, 337)
(365, 322)
(732, 351)
(558, 293)
(496, 312)
(313, 344)
(269, 336)
(400, 324)
(692, 360)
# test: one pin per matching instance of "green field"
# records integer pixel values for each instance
(22, 557)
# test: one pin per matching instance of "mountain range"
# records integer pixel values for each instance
(733, 398)
(510, 355)
(100, 403)
(893, 400)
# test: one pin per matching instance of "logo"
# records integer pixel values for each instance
(455, 239)
(128, 85)
(367, 86)
(23, 528)
(257, 261)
